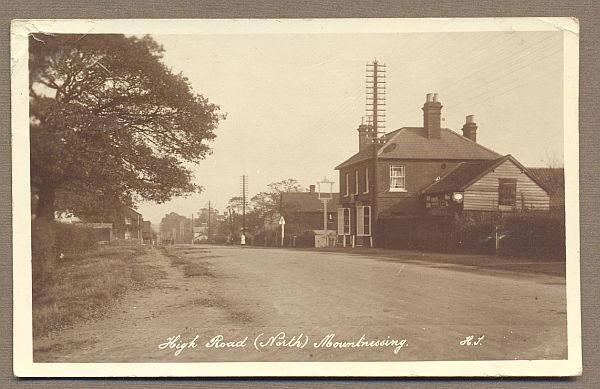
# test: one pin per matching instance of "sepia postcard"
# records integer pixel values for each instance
(312, 198)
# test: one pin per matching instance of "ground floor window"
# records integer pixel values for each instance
(507, 191)
(343, 221)
(363, 220)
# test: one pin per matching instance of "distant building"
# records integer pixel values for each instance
(175, 228)
(304, 211)
(148, 234)
(103, 232)
(128, 225)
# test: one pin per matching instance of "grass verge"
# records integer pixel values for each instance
(82, 287)
(190, 266)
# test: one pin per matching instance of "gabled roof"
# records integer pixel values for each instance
(412, 143)
(459, 177)
(307, 202)
(467, 173)
(130, 211)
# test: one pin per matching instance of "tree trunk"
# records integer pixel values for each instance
(45, 205)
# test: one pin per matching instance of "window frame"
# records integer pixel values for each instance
(512, 199)
(342, 221)
(366, 180)
(347, 184)
(356, 182)
(361, 214)
(392, 177)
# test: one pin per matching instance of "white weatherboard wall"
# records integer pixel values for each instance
(483, 194)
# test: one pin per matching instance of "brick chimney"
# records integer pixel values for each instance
(365, 134)
(311, 188)
(432, 114)
(470, 128)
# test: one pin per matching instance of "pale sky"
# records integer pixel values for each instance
(294, 101)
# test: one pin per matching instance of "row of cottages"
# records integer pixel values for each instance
(403, 189)
(129, 225)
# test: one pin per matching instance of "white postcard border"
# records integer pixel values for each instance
(22, 289)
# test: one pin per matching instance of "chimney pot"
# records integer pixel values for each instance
(365, 136)
(432, 116)
(470, 128)
(311, 188)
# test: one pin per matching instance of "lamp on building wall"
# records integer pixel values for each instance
(457, 197)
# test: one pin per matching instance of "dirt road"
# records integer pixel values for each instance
(303, 297)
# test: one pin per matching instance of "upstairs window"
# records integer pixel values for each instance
(397, 178)
(356, 182)
(507, 191)
(347, 182)
(366, 180)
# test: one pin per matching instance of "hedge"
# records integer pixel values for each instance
(50, 239)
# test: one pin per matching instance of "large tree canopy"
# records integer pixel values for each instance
(110, 122)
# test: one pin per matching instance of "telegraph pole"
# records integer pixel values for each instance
(208, 221)
(376, 98)
(244, 185)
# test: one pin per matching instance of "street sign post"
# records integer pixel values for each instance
(325, 194)
(282, 223)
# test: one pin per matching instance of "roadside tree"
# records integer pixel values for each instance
(111, 123)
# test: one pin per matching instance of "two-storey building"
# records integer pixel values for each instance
(397, 181)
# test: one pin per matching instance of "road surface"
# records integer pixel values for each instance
(321, 306)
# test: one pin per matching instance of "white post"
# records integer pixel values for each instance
(325, 231)
(497, 240)
(325, 215)
(282, 224)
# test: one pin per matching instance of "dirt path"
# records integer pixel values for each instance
(309, 295)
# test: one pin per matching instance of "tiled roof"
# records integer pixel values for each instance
(457, 178)
(358, 157)
(412, 143)
(307, 202)
(553, 179)
(466, 173)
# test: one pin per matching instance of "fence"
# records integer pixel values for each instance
(538, 234)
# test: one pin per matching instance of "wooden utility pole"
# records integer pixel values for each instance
(244, 184)
(208, 233)
(376, 115)
(244, 204)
